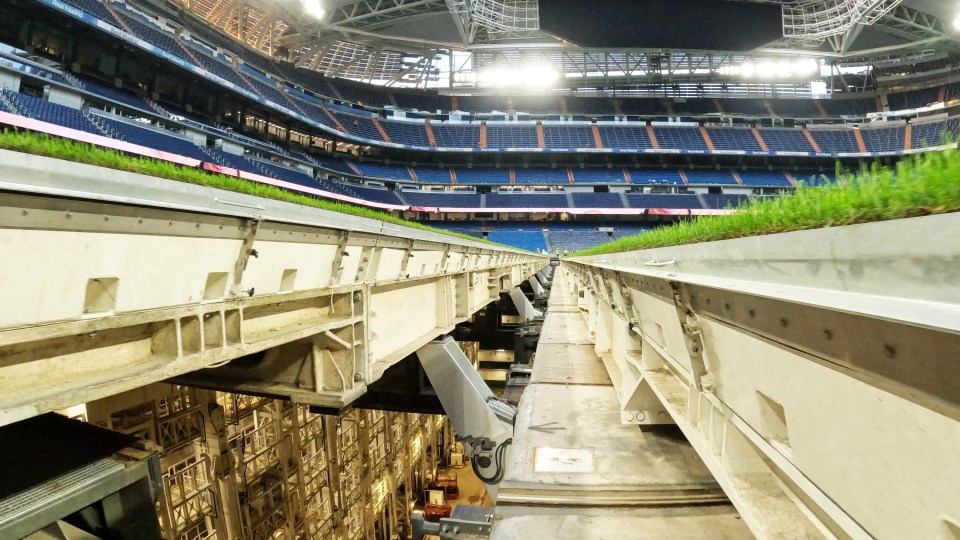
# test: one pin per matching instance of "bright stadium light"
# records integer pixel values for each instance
(312, 7)
(956, 22)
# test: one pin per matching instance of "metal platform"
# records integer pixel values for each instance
(576, 471)
(114, 476)
(813, 371)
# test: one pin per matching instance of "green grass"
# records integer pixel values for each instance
(923, 184)
(46, 145)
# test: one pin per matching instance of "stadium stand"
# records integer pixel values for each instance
(679, 138)
(719, 202)
(45, 111)
(432, 175)
(380, 170)
(646, 176)
(526, 200)
(883, 139)
(456, 136)
(511, 136)
(486, 175)
(836, 140)
(786, 140)
(764, 178)
(721, 177)
(598, 176)
(568, 136)
(451, 199)
(733, 139)
(597, 200)
(644, 200)
(624, 137)
(541, 176)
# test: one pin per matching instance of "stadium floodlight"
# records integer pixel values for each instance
(312, 7)
(956, 22)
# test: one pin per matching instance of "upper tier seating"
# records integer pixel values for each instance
(680, 138)
(358, 125)
(456, 135)
(883, 139)
(927, 134)
(542, 176)
(624, 137)
(913, 99)
(786, 140)
(733, 139)
(511, 136)
(568, 137)
(836, 140)
(404, 133)
(749, 107)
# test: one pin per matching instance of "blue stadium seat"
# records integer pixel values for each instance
(442, 199)
(568, 137)
(646, 176)
(381, 170)
(456, 135)
(836, 140)
(764, 178)
(482, 175)
(432, 175)
(597, 200)
(647, 200)
(599, 176)
(511, 137)
(887, 139)
(43, 110)
(714, 178)
(733, 139)
(679, 138)
(631, 137)
(785, 140)
(541, 176)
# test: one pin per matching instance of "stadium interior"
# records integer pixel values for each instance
(530, 131)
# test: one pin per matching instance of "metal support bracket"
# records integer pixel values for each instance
(483, 422)
(524, 307)
(246, 251)
(693, 335)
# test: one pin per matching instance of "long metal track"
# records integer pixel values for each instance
(814, 372)
(110, 281)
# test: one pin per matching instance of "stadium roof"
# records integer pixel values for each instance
(440, 42)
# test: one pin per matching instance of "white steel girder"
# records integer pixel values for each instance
(136, 279)
(812, 371)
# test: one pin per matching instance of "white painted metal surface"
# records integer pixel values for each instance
(112, 280)
(814, 372)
